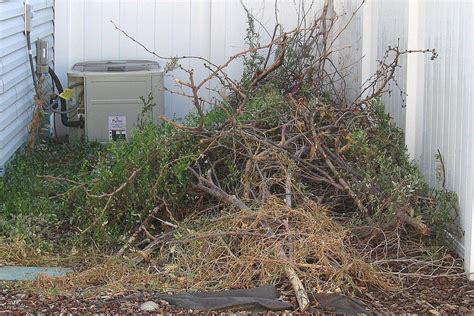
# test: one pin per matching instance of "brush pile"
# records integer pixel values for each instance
(241, 249)
(283, 181)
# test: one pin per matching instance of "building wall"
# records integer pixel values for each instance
(214, 29)
(391, 23)
(347, 48)
(16, 85)
(446, 111)
(440, 109)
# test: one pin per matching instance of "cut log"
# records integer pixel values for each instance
(417, 224)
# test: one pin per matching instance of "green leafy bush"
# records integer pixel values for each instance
(391, 180)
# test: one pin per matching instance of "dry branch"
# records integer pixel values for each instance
(137, 232)
(421, 227)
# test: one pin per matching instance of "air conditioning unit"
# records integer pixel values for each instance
(108, 94)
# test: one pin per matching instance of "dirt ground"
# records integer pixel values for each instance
(438, 296)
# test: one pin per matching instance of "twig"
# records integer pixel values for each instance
(216, 235)
(109, 198)
(140, 228)
(421, 227)
(443, 169)
(288, 188)
(132, 177)
(49, 177)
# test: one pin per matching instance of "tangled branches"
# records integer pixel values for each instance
(237, 243)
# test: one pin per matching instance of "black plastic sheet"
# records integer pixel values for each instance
(264, 298)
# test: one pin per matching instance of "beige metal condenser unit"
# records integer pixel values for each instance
(110, 98)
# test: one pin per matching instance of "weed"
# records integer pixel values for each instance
(29, 208)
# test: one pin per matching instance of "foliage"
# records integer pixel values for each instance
(253, 61)
(163, 154)
(391, 180)
(160, 155)
(34, 208)
(29, 209)
(266, 106)
(146, 115)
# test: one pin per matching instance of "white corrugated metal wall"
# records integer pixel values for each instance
(447, 111)
(392, 29)
(208, 28)
(16, 86)
(386, 24)
(440, 109)
(348, 46)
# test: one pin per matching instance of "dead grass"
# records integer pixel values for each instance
(232, 250)
(113, 274)
(20, 253)
(93, 271)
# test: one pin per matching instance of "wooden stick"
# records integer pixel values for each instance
(296, 284)
(345, 185)
(288, 188)
(145, 253)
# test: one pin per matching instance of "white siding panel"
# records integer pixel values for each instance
(18, 74)
(448, 107)
(8, 98)
(443, 93)
(16, 87)
(110, 37)
(93, 9)
(10, 26)
(181, 39)
(10, 121)
(8, 133)
(163, 44)
(128, 20)
(209, 28)
(17, 58)
(18, 41)
(391, 28)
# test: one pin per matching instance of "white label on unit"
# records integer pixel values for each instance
(117, 122)
(117, 127)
